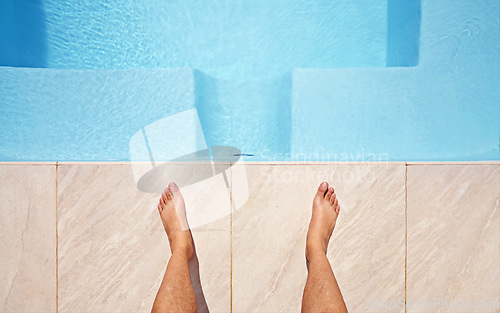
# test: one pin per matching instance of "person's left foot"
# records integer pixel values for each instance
(172, 210)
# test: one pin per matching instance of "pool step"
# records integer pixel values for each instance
(251, 115)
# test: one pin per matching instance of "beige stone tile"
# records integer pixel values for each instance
(453, 238)
(366, 250)
(28, 238)
(112, 247)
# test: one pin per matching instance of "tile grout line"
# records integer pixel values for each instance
(231, 233)
(57, 242)
(406, 229)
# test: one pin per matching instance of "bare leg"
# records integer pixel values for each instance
(176, 292)
(321, 293)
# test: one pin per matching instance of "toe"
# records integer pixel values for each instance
(335, 203)
(337, 209)
(160, 208)
(168, 194)
(333, 198)
(329, 194)
(322, 189)
(174, 189)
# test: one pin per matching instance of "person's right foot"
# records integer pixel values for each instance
(172, 211)
(325, 211)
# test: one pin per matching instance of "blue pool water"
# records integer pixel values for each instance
(279, 80)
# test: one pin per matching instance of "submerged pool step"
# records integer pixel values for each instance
(252, 115)
(84, 115)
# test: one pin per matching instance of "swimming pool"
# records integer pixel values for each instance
(279, 80)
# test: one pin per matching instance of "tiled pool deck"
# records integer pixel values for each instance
(81, 237)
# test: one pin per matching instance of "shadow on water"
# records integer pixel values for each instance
(23, 35)
(403, 42)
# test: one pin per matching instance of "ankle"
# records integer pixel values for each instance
(182, 247)
(184, 252)
(315, 250)
(317, 241)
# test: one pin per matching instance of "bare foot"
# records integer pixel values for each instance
(173, 215)
(325, 211)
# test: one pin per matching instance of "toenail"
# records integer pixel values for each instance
(323, 184)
